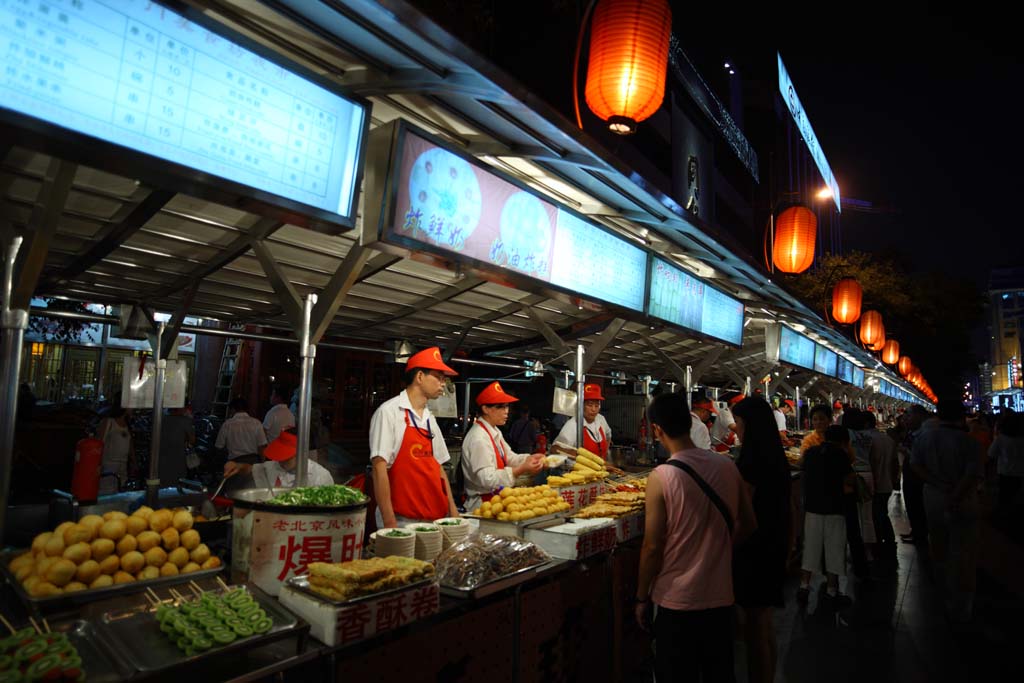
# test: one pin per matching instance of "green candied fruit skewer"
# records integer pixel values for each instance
(263, 626)
(202, 644)
(224, 637)
(242, 630)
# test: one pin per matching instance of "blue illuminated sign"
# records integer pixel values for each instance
(135, 74)
(789, 96)
(824, 361)
(684, 300)
(796, 349)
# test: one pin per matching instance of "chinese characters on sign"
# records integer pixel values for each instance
(369, 618)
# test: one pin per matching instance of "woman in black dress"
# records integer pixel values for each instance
(759, 564)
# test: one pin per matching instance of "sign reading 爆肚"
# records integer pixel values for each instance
(136, 74)
(789, 96)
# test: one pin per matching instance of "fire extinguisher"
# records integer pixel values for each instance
(85, 479)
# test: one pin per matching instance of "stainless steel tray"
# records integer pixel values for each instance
(55, 603)
(498, 584)
(521, 522)
(147, 649)
(100, 660)
(301, 584)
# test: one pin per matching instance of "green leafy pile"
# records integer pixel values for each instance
(324, 496)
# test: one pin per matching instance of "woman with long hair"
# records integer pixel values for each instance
(759, 564)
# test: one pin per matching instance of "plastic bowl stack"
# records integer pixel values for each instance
(388, 542)
(453, 529)
(428, 540)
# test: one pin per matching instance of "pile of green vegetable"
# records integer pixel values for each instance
(213, 621)
(320, 496)
(29, 656)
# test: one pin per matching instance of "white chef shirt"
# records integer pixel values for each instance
(270, 473)
(241, 435)
(780, 419)
(568, 433)
(387, 429)
(278, 418)
(720, 429)
(699, 434)
(479, 462)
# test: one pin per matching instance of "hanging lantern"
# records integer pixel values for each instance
(628, 61)
(796, 229)
(871, 329)
(846, 298)
(904, 365)
(891, 352)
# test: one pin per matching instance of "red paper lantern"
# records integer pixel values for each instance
(628, 61)
(796, 230)
(872, 331)
(904, 365)
(846, 299)
(891, 352)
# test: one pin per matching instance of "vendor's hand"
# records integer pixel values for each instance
(642, 612)
(233, 468)
(534, 464)
(389, 522)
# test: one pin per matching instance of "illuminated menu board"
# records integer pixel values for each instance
(796, 349)
(135, 74)
(450, 204)
(844, 370)
(824, 360)
(858, 377)
(681, 299)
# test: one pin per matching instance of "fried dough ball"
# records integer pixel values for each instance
(212, 563)
(145, 511)
(201, 554)
(182, 520)
(136, 525)
(133, 562)
(113, 529)
(62, 527)
(102, 581)
(110, 564)
(190, 539)
(43, 589)
(61, 572)
(74, 587)
(190, 567)
(88, 571)
(178, 557)
(78, 534)
(20, 561)
(78, 553)
(148, 539)
(92, 523)
(123, 577)
(160, 520)
(171, 539)
(127, 544)
(114, 514)
(55, 545)
(39, 542)
(25, 571)
(156, 557)
(102, 548)
(148, 573)
(168, 569)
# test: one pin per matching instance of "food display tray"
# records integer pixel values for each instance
(501, 583)
(71, 601)
(301, 584)
(146, 649)
(100, 661)
(518, 529)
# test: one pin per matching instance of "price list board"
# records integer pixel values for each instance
(825, 360)
(597, 263)
(136, 74)
(723, 317)
(796, 349)
(683, 300)
(858, 377)
(845, 370)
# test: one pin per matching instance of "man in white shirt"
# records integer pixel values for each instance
(280, 470)
(241, 434)
(279, 417)
(701, 410)
(780, 420)
(407, 448)
(597, 435)
(723, 431)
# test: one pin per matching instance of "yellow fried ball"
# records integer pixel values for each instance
(88, 571)
(148, 539)
(156, 556)
(127, 544)
(160, 520)
(92, 523)
(190, 567)
(114, 529)
(136, 525)
(77, 534)
(211, 563)
(78, 553)
(44, 589)
(182, 520)
(54, 545)
(74, 587)
(102, 581)
(102, 548)
(178, 557)
(61, 572)
(145, 511)
(200, 554)
(189, 539)
(171, 539)
(147, 573)
(110, 564)
(123, 577)
(168, 569)
(114, 514)
(133, 562)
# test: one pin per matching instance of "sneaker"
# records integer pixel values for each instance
(802, 595)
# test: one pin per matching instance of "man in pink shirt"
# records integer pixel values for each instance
(697, 508)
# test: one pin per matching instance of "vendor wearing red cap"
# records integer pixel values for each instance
(701, 409)
(407, 448)
(280, 470)
(597, 435)
(488, 462)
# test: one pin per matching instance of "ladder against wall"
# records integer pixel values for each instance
(230, 360)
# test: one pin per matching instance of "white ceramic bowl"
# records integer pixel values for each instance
(385, 544)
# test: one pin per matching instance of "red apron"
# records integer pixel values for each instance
(596, 447)
(415, 477)
(499, 459)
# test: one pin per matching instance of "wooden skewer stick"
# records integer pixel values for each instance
(35, 625)
(196, 587)
(7, 624)
(151, 592)
(46, 625)
(222, 584)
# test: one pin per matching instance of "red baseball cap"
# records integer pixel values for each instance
(493, 394)
(705, 403)
(283, 447)
(736, 399)
(592, 392)
(789, 402)
(429, 359)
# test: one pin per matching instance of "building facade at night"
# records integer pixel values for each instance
(1006, 311)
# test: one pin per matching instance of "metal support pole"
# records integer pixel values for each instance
(797, 409)
(579, 395)
(307, 352)
(748, 386)
(465, 410)
(831, 400)
(153, 481)
(689, 386)
(715, 392)
(14, 323)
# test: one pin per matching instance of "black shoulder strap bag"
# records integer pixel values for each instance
(711, 493)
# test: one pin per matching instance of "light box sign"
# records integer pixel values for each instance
(792, 101)
(681, 299)
(449, 204)
(135, 74)
(796, 349)
(858, 377)
(844, 370)
(824, 360)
